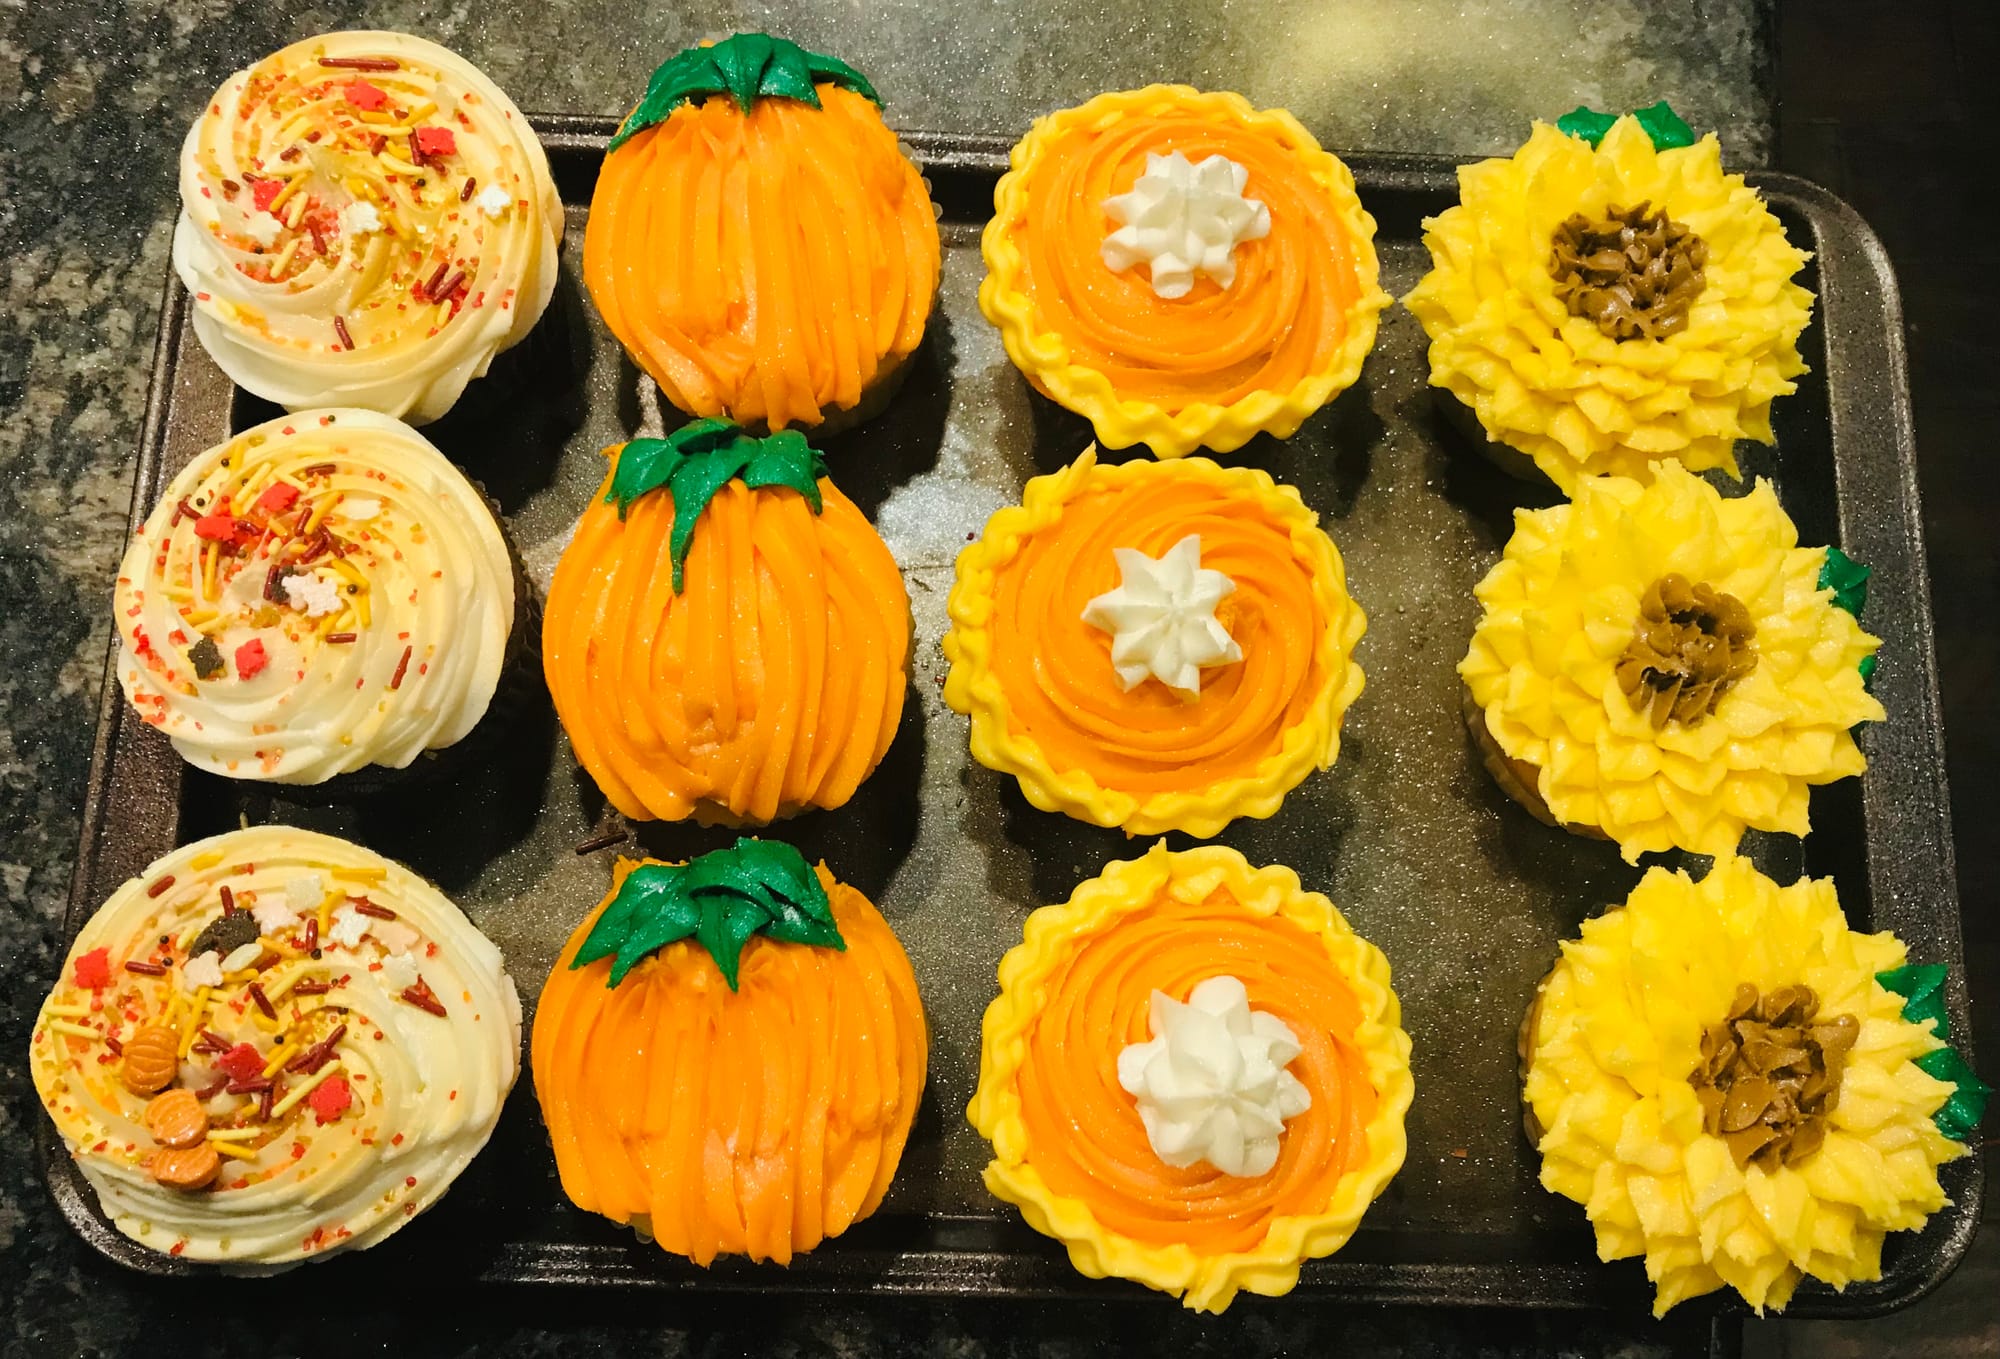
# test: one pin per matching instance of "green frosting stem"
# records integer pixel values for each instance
(1848, 579)
(1922, 988)
(1660, 122)
(746, 67)
(698, 459)
(721, 901)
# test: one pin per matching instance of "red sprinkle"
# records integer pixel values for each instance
(263, 1001)
(93, 969)
(161, 885)
(465, 193)
(436, 141)
(365, 96)
(330, 1098)
(396, 681)
(243, 1062)
(183, 510)
(340, 329)
(362, 64)
(146, 969)
(217, 528)
(264, 191)
(117, 1048)
(422, 997)
(251, 659)
(278, 497)
(363, 906)
(228, 900)
(312, 988)
(312, 934)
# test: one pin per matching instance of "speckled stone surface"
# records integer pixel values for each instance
(93, 101)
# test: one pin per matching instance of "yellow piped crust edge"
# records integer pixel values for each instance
(1618, 1032)
(1043, 355)
(971, 687)
(1550, 384)
(1207, 1283)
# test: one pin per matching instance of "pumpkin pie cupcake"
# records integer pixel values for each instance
(321, 596)
(1741, 1089)
(1181, 269)
(1195, 1076)
(366, 220)
(1608, 297)
(759, 242)
(1154, 645)
(729, 1054)
(273, 1045)
(726, 637)
(1666, 667)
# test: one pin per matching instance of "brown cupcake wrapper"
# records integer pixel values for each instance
(1517, 778)
(1465, 422)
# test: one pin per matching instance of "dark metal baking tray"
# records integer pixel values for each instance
(1466, 894)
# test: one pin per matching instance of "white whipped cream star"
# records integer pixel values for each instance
(1183, 218)
(1162, 618)
(360, 219)
(1212, 1084)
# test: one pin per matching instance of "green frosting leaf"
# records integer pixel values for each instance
(747, 67)
(721, 901)
(1847, 578)
(1660, 122)
(698, 459)
(1922, 988)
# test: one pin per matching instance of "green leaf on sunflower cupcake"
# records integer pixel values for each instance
(1662, 125)
(1921, 985)
(746, 67)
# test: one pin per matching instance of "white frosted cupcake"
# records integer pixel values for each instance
(273, 1045)
(366, 220)
(322, 593)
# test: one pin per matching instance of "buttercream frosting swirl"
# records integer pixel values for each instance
(1225, 359)
(1162, 617)
(1211, 1082)
(1180, 219)
(1042, 685)
(330, 235)
(376, 1075)
(322, 592)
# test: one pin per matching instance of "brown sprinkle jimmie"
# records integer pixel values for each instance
(162, 885)
(465, 194)
(228, 899)
(362, 63)
(340, 328)
(147, 969)
(263, 1001)
(363, 906)
(340, 637)
(605, 841)
(396, 680)
(312, 988)
(423, 998)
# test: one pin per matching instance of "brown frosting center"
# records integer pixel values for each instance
(1690, 645)
(1770, 1075)
(1635, 274)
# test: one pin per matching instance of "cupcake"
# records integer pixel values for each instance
(1156, 646)
(1665, 667)
(366, 220)
(759, 242)
(1740, 1088)
(320, 594)
(1608, 298)
(1195, 1076)
(274, 1045)
(1181, 269)
(726, 637)
(729, 1054)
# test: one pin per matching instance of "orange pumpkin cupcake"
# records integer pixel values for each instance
(726, 637)
(1157, 646)
(729, 1054)
(770, 256)
(1195, 1076)
(1181, 268)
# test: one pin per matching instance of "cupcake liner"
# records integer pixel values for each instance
(1465, 422)
(1517, 778)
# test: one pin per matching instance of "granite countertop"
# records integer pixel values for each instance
(95, 99)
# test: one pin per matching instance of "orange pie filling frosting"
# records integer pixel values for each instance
(1214, 365)
(1040, 683)
(1070, 1146)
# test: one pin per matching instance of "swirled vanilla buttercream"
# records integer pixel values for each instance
(366, 220)
(323, 592)
(272, 1045)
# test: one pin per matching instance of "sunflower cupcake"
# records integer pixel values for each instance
(1740, 1088)
(366, 220)
(1154, 645)
(729, 1054)
(1180, 268)
(1663, 666)
(1608, 297)
(726, 637)
(323, 594)
(759, 242)
(1194, 1076)
(273, 1045)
